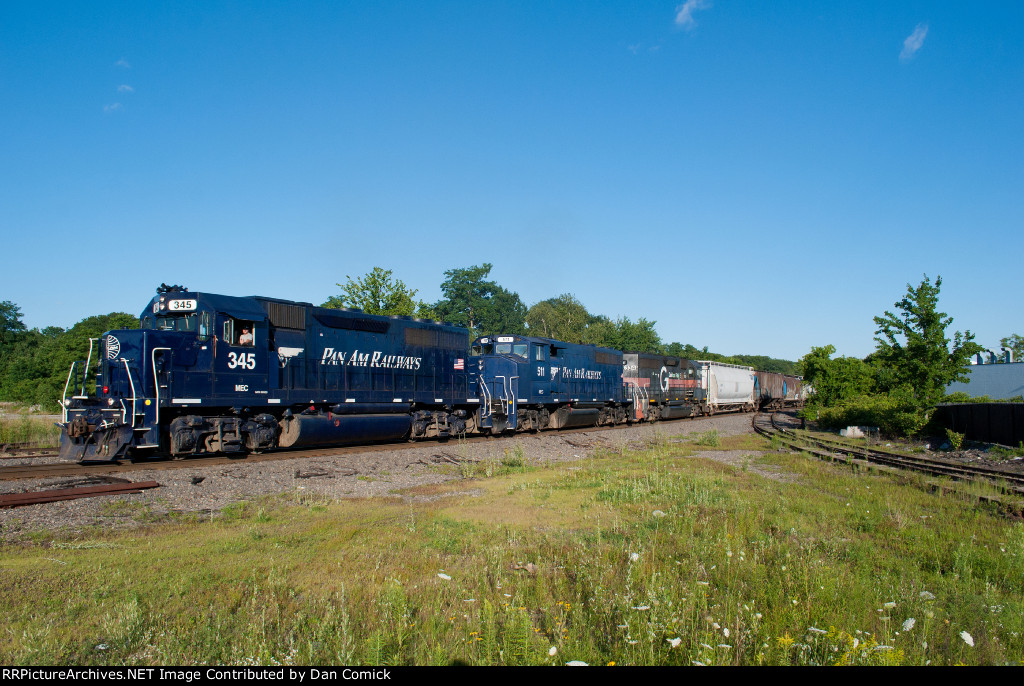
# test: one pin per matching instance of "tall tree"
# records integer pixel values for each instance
(10, 321)
(563, 318)
(914, 347)
(624, 334)
(375, 293)
(481, 305)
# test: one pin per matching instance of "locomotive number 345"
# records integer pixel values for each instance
(241, 360)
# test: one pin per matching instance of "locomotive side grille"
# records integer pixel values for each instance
(286, 316)
(435, 339)
(353, 323)
(608, 358)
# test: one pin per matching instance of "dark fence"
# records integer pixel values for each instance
(990, 422)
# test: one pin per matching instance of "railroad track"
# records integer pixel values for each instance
(62, 469)
(21, 451)
(830, 449)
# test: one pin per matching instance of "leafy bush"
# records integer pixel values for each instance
(956, 440)
(895, 413)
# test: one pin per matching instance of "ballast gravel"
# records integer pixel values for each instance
(383, 473)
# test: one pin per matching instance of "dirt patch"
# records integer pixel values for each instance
(747, 460)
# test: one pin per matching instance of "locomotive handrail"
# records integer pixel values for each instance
(487, 398)
(85, 374)
(134, 395)
(156, 384)
(64, 396)
(504, 390)
(513, 392)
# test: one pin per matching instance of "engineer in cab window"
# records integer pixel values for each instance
(246, 337)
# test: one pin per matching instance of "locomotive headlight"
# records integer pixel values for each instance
(110, 401)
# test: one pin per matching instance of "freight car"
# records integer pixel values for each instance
(775, 391)
(210, 373)
(727, 386)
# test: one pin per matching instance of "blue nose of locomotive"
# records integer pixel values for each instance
(120, 413)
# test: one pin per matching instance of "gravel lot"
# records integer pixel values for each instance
(382, 473)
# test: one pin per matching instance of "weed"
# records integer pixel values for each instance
(709, 438)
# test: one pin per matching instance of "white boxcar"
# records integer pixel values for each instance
(727, 386)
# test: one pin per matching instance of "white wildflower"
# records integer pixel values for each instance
(968, 639)
(658, 513)
(909, 624)
(674, 642)
(697, 664)
(889, 605)
(642, 607)
(634, 556)
(576, 663)
(816, 630)
(552, 651)
(926, 595)
(445, 577)
(725, 632)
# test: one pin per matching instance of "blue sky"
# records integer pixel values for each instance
(756, 177)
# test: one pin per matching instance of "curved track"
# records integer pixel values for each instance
(830, 449)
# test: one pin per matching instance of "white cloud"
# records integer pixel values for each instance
(123, 64)
(112, 108)
(125, 88)
(914, 42)
(684, 13)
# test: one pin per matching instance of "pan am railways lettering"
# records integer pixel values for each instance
(374, 359)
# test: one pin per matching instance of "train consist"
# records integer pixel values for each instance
(211, 373)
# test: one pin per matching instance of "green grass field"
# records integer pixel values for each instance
(28, 429)
(630, 557)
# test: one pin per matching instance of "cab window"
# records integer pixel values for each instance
(204, 326)
(482, 349)
(520, 350)
(239, 332)
(176, 322)
(503, 348)
(538, 353)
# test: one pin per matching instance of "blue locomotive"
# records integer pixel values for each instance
(210, 373)
(218, 374)
(530, 383)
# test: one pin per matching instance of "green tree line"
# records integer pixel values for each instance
(34, 363)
